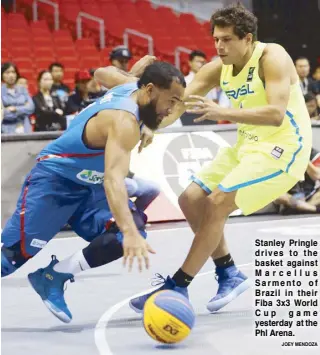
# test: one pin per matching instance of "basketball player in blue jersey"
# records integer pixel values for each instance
(79, 179)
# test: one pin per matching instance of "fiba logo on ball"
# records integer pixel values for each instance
(170, 329)
(168, 317)
(184, 156)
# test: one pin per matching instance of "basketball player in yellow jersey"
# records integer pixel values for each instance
(270, 156)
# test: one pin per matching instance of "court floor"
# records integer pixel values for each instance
(104, 324)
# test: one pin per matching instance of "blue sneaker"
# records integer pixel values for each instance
(7, 267)
(137, 304)
(49, 285)
(232, 282)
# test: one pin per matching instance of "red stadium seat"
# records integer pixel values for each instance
(84, 43)
(63, 52)
(39, 27)
(38, 44)
(24, 62)
(43, 63)
(88, 63)
(20, 52)
(44, 52)
(28, 73)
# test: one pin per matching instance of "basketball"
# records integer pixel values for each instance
(168, 317)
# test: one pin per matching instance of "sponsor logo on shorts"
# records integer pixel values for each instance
(91, 176)
(277, 152)
(249, 136)
(37, 243)
(243, 91)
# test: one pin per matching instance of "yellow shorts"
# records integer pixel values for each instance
(255, 178)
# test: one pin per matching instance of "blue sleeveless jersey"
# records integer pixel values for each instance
(69, 157)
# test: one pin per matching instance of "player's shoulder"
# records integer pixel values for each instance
(274, 49)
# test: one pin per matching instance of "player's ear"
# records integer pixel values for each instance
(150, 89)
(249, 38)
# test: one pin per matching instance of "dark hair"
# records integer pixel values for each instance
(161, 74)
(309, 97)
(5, 66)
(41, 74)
(56, 64)
(236, 15)
(302, 58)
(196, 53)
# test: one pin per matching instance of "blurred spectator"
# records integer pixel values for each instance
(81, 97)
(305, 195)
(48, 107)
(58, 87)
(144, 191)
(316, 77)
(22, 81)
(2, 111)
(17, 103)
(306, 82)
(119, 57)
(316, 74)
(311, 102)
(197, 59)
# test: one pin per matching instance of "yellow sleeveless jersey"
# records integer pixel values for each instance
(289, 145)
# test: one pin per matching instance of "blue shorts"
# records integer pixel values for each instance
(47, 203)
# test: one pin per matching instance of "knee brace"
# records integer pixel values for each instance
(107, 247)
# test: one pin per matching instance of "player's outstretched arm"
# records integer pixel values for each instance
(112, 76)
(276, 65)
(122, 136)
(205, 80)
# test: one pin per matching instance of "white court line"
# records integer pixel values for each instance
(99, 333)
(235, 224)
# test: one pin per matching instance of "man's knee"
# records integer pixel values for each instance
(221, 203)
(191, 197)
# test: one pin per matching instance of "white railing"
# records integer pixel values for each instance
(177, 52)
(129, 31)
(92, 18)
(56, 11)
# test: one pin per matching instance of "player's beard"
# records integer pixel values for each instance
(148, 115)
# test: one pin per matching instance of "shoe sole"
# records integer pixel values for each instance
(137, 310)
(52, 308)
(217, 305)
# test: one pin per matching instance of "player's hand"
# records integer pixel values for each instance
(135, 246)
(208, 109)
(139, 67)
(12, 108)
(146, 138)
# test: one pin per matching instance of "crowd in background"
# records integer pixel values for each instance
(55, 105)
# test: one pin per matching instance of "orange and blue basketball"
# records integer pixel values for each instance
(168, 317)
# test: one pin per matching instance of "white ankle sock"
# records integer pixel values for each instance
(73, 264)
